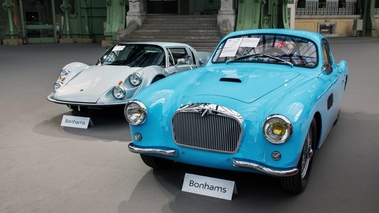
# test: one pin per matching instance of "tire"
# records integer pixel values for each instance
(338, 118)
(157, 78)
(156, 162)
(297, 183)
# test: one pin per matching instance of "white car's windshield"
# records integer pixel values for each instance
(134, 55)
(268, 48)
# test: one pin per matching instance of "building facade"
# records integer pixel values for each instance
(67, 21)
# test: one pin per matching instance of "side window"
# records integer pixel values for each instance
(179, 53)
(326, 57)
(326, 53)
(192, 59)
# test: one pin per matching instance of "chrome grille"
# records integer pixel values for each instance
(204, 127)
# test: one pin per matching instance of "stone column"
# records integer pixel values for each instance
(136, 14)
(226, 17)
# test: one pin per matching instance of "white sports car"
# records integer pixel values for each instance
(123, 71)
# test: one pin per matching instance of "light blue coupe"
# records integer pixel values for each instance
(263, 103)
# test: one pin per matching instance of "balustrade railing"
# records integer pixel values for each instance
(327, 8)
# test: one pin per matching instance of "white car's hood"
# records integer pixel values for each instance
(92, 83)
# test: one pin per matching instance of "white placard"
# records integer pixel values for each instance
(212, 187)
(76, 121)
(250, 42)
(231, 47)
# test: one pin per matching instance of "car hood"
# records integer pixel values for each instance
(89, 85)
(242, 84)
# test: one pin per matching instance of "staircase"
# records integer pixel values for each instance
(199, 31)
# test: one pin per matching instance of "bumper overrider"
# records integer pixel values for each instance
(236, 162)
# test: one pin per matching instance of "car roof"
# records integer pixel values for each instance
(159, 43)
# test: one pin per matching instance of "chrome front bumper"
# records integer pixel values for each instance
(265, 170)
(236, 163)
(159, 151)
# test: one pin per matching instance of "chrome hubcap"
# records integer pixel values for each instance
(306, 155)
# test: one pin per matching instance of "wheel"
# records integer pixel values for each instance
(297, 183)
(155, 162)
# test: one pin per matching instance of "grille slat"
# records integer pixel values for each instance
(213, 131)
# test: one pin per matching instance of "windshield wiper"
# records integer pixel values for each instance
(259, 55)
(280, 59)
(243, 57)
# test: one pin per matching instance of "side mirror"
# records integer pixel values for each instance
(99, 62)
(201, 61)
(328, 68)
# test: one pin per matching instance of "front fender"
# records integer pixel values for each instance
(75, 68)
(149, 73)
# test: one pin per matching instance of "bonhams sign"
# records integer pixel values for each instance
(212, 187)
(76, 121)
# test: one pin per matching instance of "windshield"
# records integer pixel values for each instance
(134, 55)
(268, 48)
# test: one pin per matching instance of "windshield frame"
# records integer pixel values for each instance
(133, 55)
(289, 50)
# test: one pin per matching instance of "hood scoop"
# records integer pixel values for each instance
(235, 80)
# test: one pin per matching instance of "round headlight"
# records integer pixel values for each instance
(57, 86)
(135, 112)
(277, 129)
(64, 72)
(135, 79)
(118, 92)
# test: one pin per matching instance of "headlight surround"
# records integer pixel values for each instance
(64, 72)
(135, 79)
(135, 112)
(56, 86)
(277, 129)
(118, 92)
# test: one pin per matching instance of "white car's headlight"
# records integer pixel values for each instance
(135, 112)
(277, 129)
(64, 72)
(118, 92)
(57, 86)
(135, 79)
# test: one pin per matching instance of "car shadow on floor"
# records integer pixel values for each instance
(108, 125)
(254, 191)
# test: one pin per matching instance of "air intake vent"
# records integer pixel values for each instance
(236, 80)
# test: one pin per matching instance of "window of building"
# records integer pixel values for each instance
(341, 3)
(301, 3)
(321, 3)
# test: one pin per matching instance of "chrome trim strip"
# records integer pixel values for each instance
(160, 151)
(268, 171)
(205, 109)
